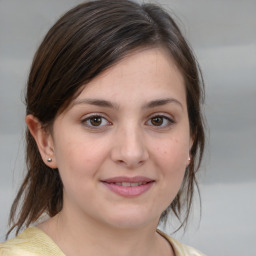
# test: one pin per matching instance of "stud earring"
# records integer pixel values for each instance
(49, 160)
(188, 161)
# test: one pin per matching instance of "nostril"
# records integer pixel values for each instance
(130, 164)
(129, 152)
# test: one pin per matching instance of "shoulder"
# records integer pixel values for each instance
(31, 242)
(179, 248)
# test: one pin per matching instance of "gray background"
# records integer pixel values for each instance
(223, 35)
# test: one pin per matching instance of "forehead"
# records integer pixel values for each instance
(147, 72)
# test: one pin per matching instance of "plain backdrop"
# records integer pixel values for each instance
(223, 36)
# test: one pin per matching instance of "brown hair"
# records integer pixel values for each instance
(87, 40)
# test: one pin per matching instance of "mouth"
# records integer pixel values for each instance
(129, 184)
(129, 187)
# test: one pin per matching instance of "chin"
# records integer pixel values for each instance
(133, 219)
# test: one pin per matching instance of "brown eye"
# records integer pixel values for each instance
(160, 121)
(95, 120)
(157, 121)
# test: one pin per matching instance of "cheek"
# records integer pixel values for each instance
(79, 162)
(79, 157)
(171, 158)
(173, 151)
(171, 163)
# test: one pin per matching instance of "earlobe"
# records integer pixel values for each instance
(189, 154)
(188, 161)
(191, 142)
(43, 140)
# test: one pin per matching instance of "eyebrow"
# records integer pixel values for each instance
(162, 102)
(97, 102)
(109, 104)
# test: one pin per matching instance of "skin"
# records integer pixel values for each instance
(127, 140)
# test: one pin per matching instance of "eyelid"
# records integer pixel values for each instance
(162, 114)
(167, 117)
(91, 115)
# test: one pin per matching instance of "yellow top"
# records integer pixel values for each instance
(34, 242)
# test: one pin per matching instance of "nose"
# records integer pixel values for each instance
(129, 148)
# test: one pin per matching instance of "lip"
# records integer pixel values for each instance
(135, 179)
(114, 185)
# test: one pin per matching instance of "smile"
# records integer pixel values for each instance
(129, 184)
(128, 187)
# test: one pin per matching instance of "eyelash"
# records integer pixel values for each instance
(88, 121)
(167, 121)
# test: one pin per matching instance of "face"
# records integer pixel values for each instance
(122, 146)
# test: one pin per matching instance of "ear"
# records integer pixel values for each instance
(191, 141)
(43, 140)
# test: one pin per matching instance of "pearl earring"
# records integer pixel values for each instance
(49, 160)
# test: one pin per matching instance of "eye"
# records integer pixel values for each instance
(160, 121)
(95, 121)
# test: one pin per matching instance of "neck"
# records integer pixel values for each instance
(88, 237)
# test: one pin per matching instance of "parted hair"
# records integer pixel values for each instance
(82, 44)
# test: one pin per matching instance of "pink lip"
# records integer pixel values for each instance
(128, 179)
(128, 191)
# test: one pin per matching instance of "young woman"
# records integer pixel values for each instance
(115, 135)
